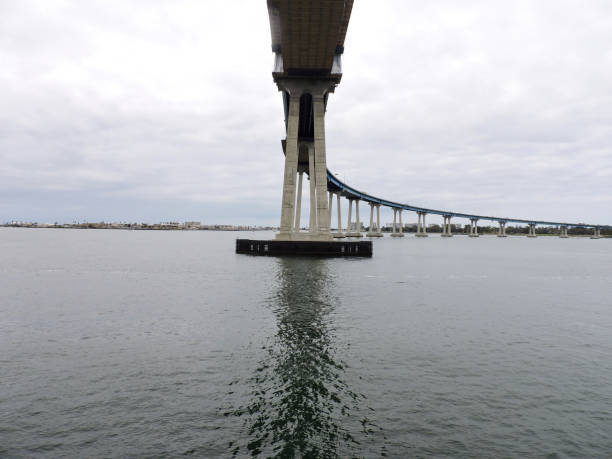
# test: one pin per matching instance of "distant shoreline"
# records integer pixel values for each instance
(189, 226)
(139, 226)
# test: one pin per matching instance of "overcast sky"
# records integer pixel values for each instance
(166, 110)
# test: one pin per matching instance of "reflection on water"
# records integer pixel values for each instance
(300, 404)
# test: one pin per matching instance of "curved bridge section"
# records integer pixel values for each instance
(336, 186)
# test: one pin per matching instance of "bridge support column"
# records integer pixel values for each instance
(313, 190)
(532, 230)
(357, 232)
(446, 228)
(323, 220)
(596, 233)
(312, 93)
(350, 217)
(421, 225)
(371, 232)
(563, 233)
(502, 229)
(298, 206)
(349, 230)
(329, 207)
(400, 232)
(474, 227)
(339, 233)
(291, 161)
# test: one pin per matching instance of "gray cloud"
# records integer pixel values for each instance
(125, 111)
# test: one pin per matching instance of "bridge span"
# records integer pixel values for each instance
(308, 42)
(337, 187)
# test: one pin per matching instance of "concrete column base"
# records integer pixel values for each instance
(446, 235)
(397, 234)
(531, 235)
(474, 235)
(421, 235)
(502, 235)
(305, 248)
(374, 234)
(595, 237)
(338, 235)
(354, 235)
(563, 236)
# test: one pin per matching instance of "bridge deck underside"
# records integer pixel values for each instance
(308, 33)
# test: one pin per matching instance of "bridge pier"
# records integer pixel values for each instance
(400, 232)
(563, 233)
(307, 96)
(291, 162)
(532, 230)
(446, 227)
(371, 232)
(421, 225)
(349, 229)
(313, 190)
(339, 233)
(318, 108)
(502, 229)
(596, 233)
(474, 227)
(349, 218)
(298, 206)
(306, 76)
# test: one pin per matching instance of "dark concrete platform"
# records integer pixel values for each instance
(308, 248)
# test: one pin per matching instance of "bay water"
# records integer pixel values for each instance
(166, 343)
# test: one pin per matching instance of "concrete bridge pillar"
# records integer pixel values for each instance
(563, 233)
(301, 91)
(358, 222)
(400, 232)
(339, 233)
(313, 190)
(291, 162)
(322, 209)
(329, 207)
(446, 227)
(350, 232)
(502, 229)
(350, 217)
(298, 205)
(371, 232)
(532, 230)
(473, 227)
(421, 225)
(596, 233)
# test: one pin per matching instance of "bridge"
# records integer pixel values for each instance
(308, 43)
